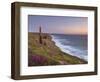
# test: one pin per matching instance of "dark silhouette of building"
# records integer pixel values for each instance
(40, 35)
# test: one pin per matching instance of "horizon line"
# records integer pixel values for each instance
(59, 33)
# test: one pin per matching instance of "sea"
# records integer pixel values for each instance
(75, 45)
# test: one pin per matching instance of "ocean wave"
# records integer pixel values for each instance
(70, 49)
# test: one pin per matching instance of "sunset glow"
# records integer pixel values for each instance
(58, 24)
(77, 30)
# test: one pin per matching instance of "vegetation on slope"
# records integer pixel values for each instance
(47, 53)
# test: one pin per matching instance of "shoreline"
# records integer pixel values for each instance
(48, 53)
(58, 44)
(67, 52)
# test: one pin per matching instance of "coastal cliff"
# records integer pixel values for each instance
(48, 53)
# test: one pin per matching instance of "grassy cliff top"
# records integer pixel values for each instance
(47, 53)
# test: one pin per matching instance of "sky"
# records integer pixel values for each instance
(58, 24)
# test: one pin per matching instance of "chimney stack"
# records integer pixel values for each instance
(40, 35)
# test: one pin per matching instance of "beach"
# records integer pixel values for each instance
(48, 52)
